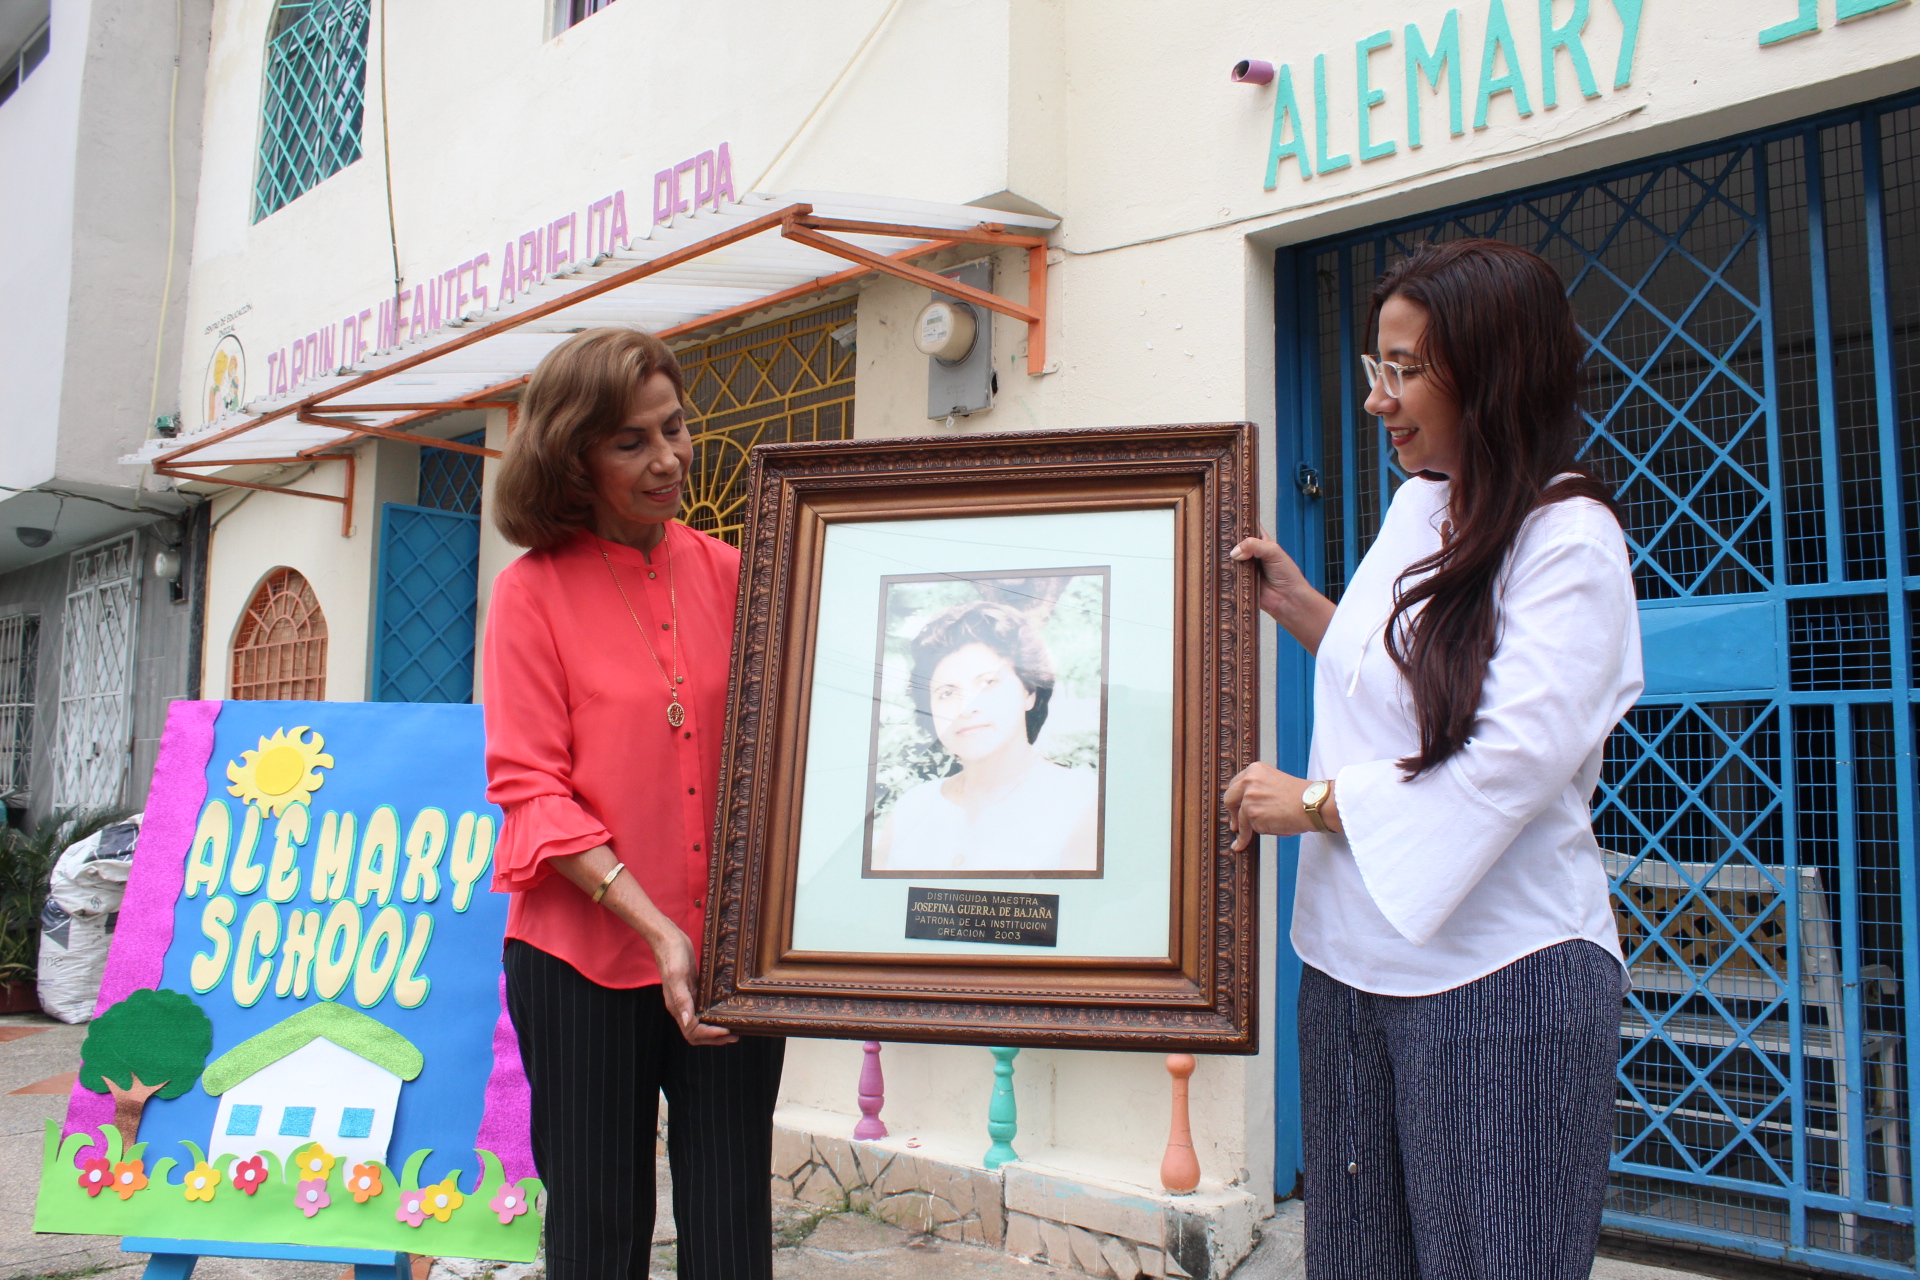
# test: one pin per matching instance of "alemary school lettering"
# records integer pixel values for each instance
(1511, 64)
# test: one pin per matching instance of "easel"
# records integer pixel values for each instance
(175, 1259)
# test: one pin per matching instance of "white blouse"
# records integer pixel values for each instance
(1490, 856)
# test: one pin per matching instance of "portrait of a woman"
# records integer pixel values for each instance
(608, 648)
(981, 680)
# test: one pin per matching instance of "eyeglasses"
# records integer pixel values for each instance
(1394, 374)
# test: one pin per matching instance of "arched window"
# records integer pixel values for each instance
(312, 98)
(281, 650)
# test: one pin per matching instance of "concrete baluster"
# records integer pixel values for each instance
(1180, 1168)
(1003, 1116)
(873, 1095)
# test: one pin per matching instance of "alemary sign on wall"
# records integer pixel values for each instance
(301, 1037)
(1493, 62)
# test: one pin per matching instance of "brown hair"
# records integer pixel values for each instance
(1504, 343)
(578, 395)
(1007, 632)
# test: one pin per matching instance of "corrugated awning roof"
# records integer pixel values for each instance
(702, 270)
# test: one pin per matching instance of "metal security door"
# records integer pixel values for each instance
(424, 619)
(1752, 311)
(94, 740)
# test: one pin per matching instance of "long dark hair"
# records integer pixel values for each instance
(1502, 340)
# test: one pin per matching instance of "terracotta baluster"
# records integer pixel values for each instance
(1003, 1115)
(873, 1095)
(1180, 1168)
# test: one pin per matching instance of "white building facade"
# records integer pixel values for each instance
(1732, 191)
(99, 142)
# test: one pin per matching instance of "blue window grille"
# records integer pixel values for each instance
(243, 1121)
(356, 1122)
(1753, 310)
(425, 616)
(312, 100)
(296, 1122)
(426, 613)
(450, 481)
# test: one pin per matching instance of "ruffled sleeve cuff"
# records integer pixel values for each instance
(536, 832)
(1420, 846)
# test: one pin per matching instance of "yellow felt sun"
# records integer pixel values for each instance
(284, 770)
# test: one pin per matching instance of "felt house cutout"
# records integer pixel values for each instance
(328, 1074)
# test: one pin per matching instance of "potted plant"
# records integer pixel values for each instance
(26, 861)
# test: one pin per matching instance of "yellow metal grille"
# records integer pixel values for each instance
(789, 380)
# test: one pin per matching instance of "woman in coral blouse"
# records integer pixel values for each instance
(607, 654)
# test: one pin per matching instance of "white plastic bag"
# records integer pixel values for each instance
(76, 926)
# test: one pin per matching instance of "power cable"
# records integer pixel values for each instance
(826, 97)
(386, 161)
(173, 229)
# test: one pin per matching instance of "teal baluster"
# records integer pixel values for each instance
(1003, 1116)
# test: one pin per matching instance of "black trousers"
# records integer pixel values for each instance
(598, 1059)
(1462, 1135)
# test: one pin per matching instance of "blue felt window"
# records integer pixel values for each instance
(296, 1122)
(244, 1120)
(356, 1122)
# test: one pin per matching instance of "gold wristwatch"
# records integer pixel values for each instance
(1312, 799)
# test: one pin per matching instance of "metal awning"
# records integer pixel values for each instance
(703, 270)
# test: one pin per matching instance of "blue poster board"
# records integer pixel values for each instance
(302, 1021)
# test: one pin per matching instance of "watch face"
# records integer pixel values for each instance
(1314, 794)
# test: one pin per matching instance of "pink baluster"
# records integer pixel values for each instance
(872, 1095)
(1180, 1168)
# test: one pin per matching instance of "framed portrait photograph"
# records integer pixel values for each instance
(989, 691)
(989, 725)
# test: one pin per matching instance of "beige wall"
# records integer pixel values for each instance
(255, 533)
(1116, 116)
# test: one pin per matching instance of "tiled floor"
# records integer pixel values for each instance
(38, 1058)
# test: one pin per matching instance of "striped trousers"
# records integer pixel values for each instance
(1463, 1135)
(598, 1059)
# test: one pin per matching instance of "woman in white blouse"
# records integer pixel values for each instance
(1460, 1003)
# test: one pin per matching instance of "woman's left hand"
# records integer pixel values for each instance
(1263, 801)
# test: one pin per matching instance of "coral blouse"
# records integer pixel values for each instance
(579, 751)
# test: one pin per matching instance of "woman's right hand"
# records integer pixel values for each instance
(1285, 594)
(673, 953)
(673, 956)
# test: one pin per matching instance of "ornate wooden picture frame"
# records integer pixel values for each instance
(988, 690)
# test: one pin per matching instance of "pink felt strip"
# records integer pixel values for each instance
(145, 928)
(506, 1124)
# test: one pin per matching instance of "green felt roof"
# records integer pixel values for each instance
(350, 1029)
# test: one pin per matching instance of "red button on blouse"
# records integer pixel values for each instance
(579, 751)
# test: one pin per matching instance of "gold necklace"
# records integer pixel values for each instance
(676, 714)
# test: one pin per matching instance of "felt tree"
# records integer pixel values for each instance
(151, 1043)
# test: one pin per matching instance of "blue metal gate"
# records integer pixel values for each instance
(1754, 313)
(425, 612)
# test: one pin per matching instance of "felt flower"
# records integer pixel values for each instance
(413, 1208)
(441, 1199)
(311, 1195)
(95, 1176)
(364, 1183)
(313, 1161)
(250, 1175)
(201, 1182)
(510, 1201)
(129, 1176)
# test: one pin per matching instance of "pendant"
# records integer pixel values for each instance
(676, 714)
